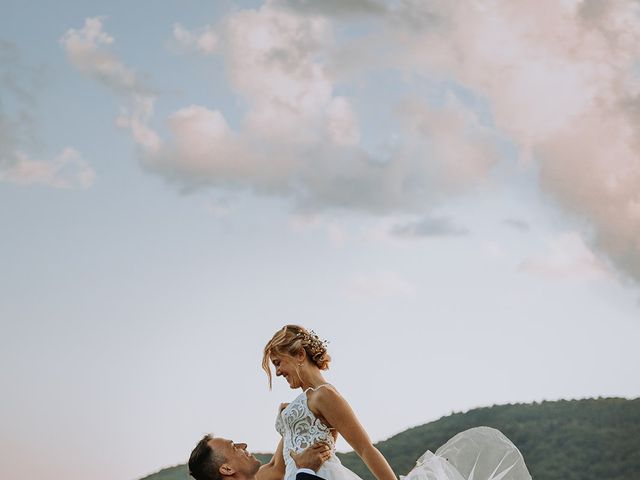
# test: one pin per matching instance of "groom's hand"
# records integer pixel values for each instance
(312, 457)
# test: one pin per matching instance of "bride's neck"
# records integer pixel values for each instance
(311, 379)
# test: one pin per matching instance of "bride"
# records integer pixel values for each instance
(319, 414)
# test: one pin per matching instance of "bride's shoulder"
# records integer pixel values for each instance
(324, 394)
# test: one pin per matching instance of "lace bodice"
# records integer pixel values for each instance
(300, 428)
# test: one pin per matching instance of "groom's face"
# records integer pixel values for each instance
(237, 459)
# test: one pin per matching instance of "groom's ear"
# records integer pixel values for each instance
(226, 469)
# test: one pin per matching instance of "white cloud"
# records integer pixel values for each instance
(450, 141)
(563, 87)
(66, 170)
(299, 139)
(203, 40)
(87, 50)
(136, 117)
(558, 80)
(272, 58)
(342, 125)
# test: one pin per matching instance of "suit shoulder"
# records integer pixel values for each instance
(307, 476)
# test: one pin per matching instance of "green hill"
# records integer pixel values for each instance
(564, 440)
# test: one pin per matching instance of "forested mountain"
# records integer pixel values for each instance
(592, 439)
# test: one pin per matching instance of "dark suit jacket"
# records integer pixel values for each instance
(307, 476)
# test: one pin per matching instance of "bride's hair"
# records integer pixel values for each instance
(290, 340)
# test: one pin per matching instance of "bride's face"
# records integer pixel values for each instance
(286, 366)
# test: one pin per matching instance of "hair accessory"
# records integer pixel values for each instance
(313, 343)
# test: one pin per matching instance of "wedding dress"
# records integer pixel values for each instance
(480, 453)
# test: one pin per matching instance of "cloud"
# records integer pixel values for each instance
(67, 170)
(87, 51)
(567, 257)
(451, 142)
(563, 87)
(202, 40)
(19, 128)
(429, 227)
(556, 80)
(300, 140)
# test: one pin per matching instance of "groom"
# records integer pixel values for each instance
(216, 458)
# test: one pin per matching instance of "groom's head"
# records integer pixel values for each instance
(216, 458)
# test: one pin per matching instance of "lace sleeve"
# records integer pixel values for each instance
(280, 424)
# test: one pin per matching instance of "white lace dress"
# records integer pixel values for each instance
(481, 453)
(300, 429)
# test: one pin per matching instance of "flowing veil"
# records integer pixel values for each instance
(480, 453)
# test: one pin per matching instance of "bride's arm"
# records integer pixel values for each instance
(274, 470)
(338, 413)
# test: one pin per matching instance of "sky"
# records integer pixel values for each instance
(448, 192)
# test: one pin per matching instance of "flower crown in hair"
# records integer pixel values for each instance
(313, 342)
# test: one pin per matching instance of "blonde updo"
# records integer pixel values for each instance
(290, 340)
